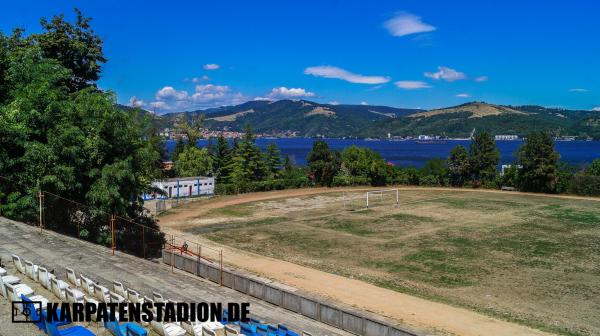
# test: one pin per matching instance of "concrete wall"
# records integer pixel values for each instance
(352, 321)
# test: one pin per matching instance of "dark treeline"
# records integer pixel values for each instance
(242, 167)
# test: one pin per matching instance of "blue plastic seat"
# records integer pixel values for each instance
(35, 316)
(52, 329)
(225, 317)
(248, 329)
(125, 329)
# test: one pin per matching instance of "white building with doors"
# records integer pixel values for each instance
(183, 187)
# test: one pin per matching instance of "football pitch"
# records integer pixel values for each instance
(528, 259)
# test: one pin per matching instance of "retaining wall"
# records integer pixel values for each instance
(354, 322)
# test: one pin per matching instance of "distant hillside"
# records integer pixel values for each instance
(306, 117)
(477, 110)
(460, 120)
(311, 119)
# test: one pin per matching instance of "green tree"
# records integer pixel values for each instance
(75, 46)
(71, 140)
(483, 158)
(247, 163)
(593, 168)
(364, 162)
(191, 126)
(222, 159)
(434, 172)
(193, 161)
(458, 166)
(538, 158)
(323, 163)
(179, 146)
(273, 160)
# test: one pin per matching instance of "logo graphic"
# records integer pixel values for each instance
(21, 312)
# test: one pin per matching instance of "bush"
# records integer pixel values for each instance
(268, 185)
(586, 185)
(342, 180)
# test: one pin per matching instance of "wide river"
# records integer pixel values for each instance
(411, 153)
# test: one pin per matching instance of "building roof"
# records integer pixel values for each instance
(175, 179)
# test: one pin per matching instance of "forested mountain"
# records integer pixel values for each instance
(313, 119)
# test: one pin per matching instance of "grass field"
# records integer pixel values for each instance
(530, 259)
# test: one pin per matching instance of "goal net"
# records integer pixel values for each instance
(373, 198)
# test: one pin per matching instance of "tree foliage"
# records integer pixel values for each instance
(193, 161)
(538, 158)
(458, 166)
(58, 133)
(323, 163)
(483, 158)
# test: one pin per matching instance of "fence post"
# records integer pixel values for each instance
(172, 254)
(144, 241)
(41, 215)
(112, 227)
(221, 264)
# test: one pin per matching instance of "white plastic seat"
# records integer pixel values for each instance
(58, 288)
(119, 289)
(2, 271)
(167, 329)
(14, 292)
(45, 278)
(157, 297)
(31, 270)
(17, 261)
(134, 296)
(87, 284)
(72, 278)
(101, 293)
(116, 298)
(7, 280)
(74, 295)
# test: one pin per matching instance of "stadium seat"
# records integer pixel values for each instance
(52, 329)
(2, 271)
(116, 298)
(34, 314)
(58, 288)
(8, 280)
(72, 278)
(124, 329)
(31, 270)
(87, 284)
(119, 289)
(101, 293)
(134, 296)
(45, 277)
(248, 329)
(17, 261)
(157, 297)
(74, 295)
(167, 329)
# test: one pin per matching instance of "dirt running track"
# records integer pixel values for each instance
(420, 314)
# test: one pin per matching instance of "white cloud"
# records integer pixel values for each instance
(481, 79)
(209, 93)
(200, 79)
(135, 102)
(169, 93)
(364, 103)
(328, 71)
(596, 109)
(579, 90)
(334, 102)
(412, 85)
(262, 99)
(406, 24)
(463, 95)
(447, 74)
(211, 66)
(283, 92)
(159, 105)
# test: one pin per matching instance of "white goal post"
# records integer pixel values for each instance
(380, 193)
(371, 198)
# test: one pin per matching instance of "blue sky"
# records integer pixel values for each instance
(184, 55)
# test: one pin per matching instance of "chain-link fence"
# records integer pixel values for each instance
(138, 237)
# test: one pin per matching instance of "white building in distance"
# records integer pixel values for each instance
(183, 187)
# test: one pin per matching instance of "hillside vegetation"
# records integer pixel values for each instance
(310, 119)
